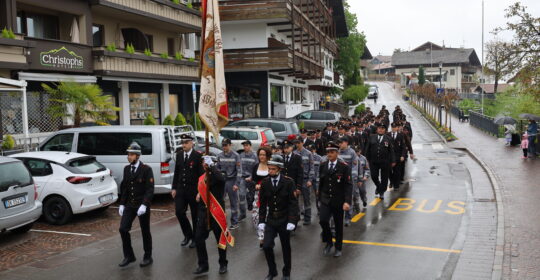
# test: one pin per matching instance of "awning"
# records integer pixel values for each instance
(48, 77)
(435, 73)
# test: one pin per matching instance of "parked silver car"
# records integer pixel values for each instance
(316, 119)
(259, 136)
(20, 207)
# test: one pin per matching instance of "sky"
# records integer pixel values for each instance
(391, 24)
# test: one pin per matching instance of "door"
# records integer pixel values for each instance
(42, 172)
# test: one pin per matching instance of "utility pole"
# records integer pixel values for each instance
(483, 78)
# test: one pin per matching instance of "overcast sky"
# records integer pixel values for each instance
(391, 24)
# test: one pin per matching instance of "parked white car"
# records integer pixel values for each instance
(259, 136)
(69, 183)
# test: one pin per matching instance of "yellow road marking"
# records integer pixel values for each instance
(375, 202)
(402, 246)
(358, 217)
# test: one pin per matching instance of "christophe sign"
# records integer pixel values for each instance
(55, 56)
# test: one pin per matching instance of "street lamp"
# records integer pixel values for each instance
(440, 88)
(440, 74)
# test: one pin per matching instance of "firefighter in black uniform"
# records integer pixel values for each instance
(381, 157)
(278, 215)
(137, 190)
(292, 166)
(335, 196)
(400, 152)
(216, 185)
(187, 171)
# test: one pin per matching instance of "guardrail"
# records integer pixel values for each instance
(485, 123)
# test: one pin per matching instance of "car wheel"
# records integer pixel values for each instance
(23, 229)
(57, 211)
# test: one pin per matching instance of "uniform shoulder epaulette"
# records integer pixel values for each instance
(285, 176)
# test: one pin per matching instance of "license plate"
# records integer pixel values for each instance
(15, 201)
(106, 198)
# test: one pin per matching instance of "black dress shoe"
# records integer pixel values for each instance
(327, 249)
(337, 254)
(192, 244)
(200, 270)
(126, 261)
(223, 269)
(185, 242)
(146, 262)
(286, 278)
(269, 277)
(364, 203)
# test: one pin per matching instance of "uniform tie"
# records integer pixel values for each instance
(331, 166)
(275, 183)
(133, 169)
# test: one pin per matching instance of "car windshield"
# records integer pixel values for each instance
(86, 165)
(371, 90)
(13, 174)
(239, 135)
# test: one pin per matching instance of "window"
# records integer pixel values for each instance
(330, 116)
(86, 165)
(452, 72)
(150, 39)
(170, 47)
(13, 174)
(38, 167)
(305, 116)
(60, 142)
(112, 144)
(142, 105)
(277, 127)
(38, 25)
(269, 135)
(239, 135)
(98, 35)
(318, 116)
(187, 41)
(139, 40)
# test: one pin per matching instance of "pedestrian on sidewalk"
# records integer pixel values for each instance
(532, 131)
(525, 144)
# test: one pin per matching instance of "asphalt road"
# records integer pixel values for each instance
(415, 233)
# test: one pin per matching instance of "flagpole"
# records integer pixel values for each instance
(204, 4)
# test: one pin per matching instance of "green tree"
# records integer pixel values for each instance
(500, 60)
(421, 75)
(355, 94)
(150, 120)
(168, 120)
(351, 48)
(195, 122)
(360, 109)
(180, 120)
(80, 102)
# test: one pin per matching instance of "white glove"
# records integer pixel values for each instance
(262, 226)
(290, 227)
(121, 210)
(141, 210)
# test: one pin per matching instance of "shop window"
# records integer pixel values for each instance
(244, 102)
(143, 104)
(38, 25)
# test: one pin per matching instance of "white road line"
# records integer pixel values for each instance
(61, 232)
(437, 146)
(152, 209)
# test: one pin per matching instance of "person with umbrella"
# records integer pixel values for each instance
(509, 127)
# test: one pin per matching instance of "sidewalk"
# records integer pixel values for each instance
(519, 181)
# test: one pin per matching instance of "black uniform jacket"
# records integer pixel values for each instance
(138, 188)
(279, 206)
(294, 169)
(380, 152)
(186, 174)
(400, 145)
(335, 187)
(216, 185)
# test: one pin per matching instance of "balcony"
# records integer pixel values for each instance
(13, 53)
(278, 59)
(162, 13)
(121, 64)
(255, 10)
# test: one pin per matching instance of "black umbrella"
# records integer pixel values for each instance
(504, 120)
(530, 117)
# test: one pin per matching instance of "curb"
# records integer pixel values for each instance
(499, 245)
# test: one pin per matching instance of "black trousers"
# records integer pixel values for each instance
(395, 177)
(201, 234)
(403, 169)
(327, 212)
(380, 172)
(270, 233)
(130, 213)
(182, 200)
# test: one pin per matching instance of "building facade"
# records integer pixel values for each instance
(454, 68)
(86, 41)
(279, 55)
